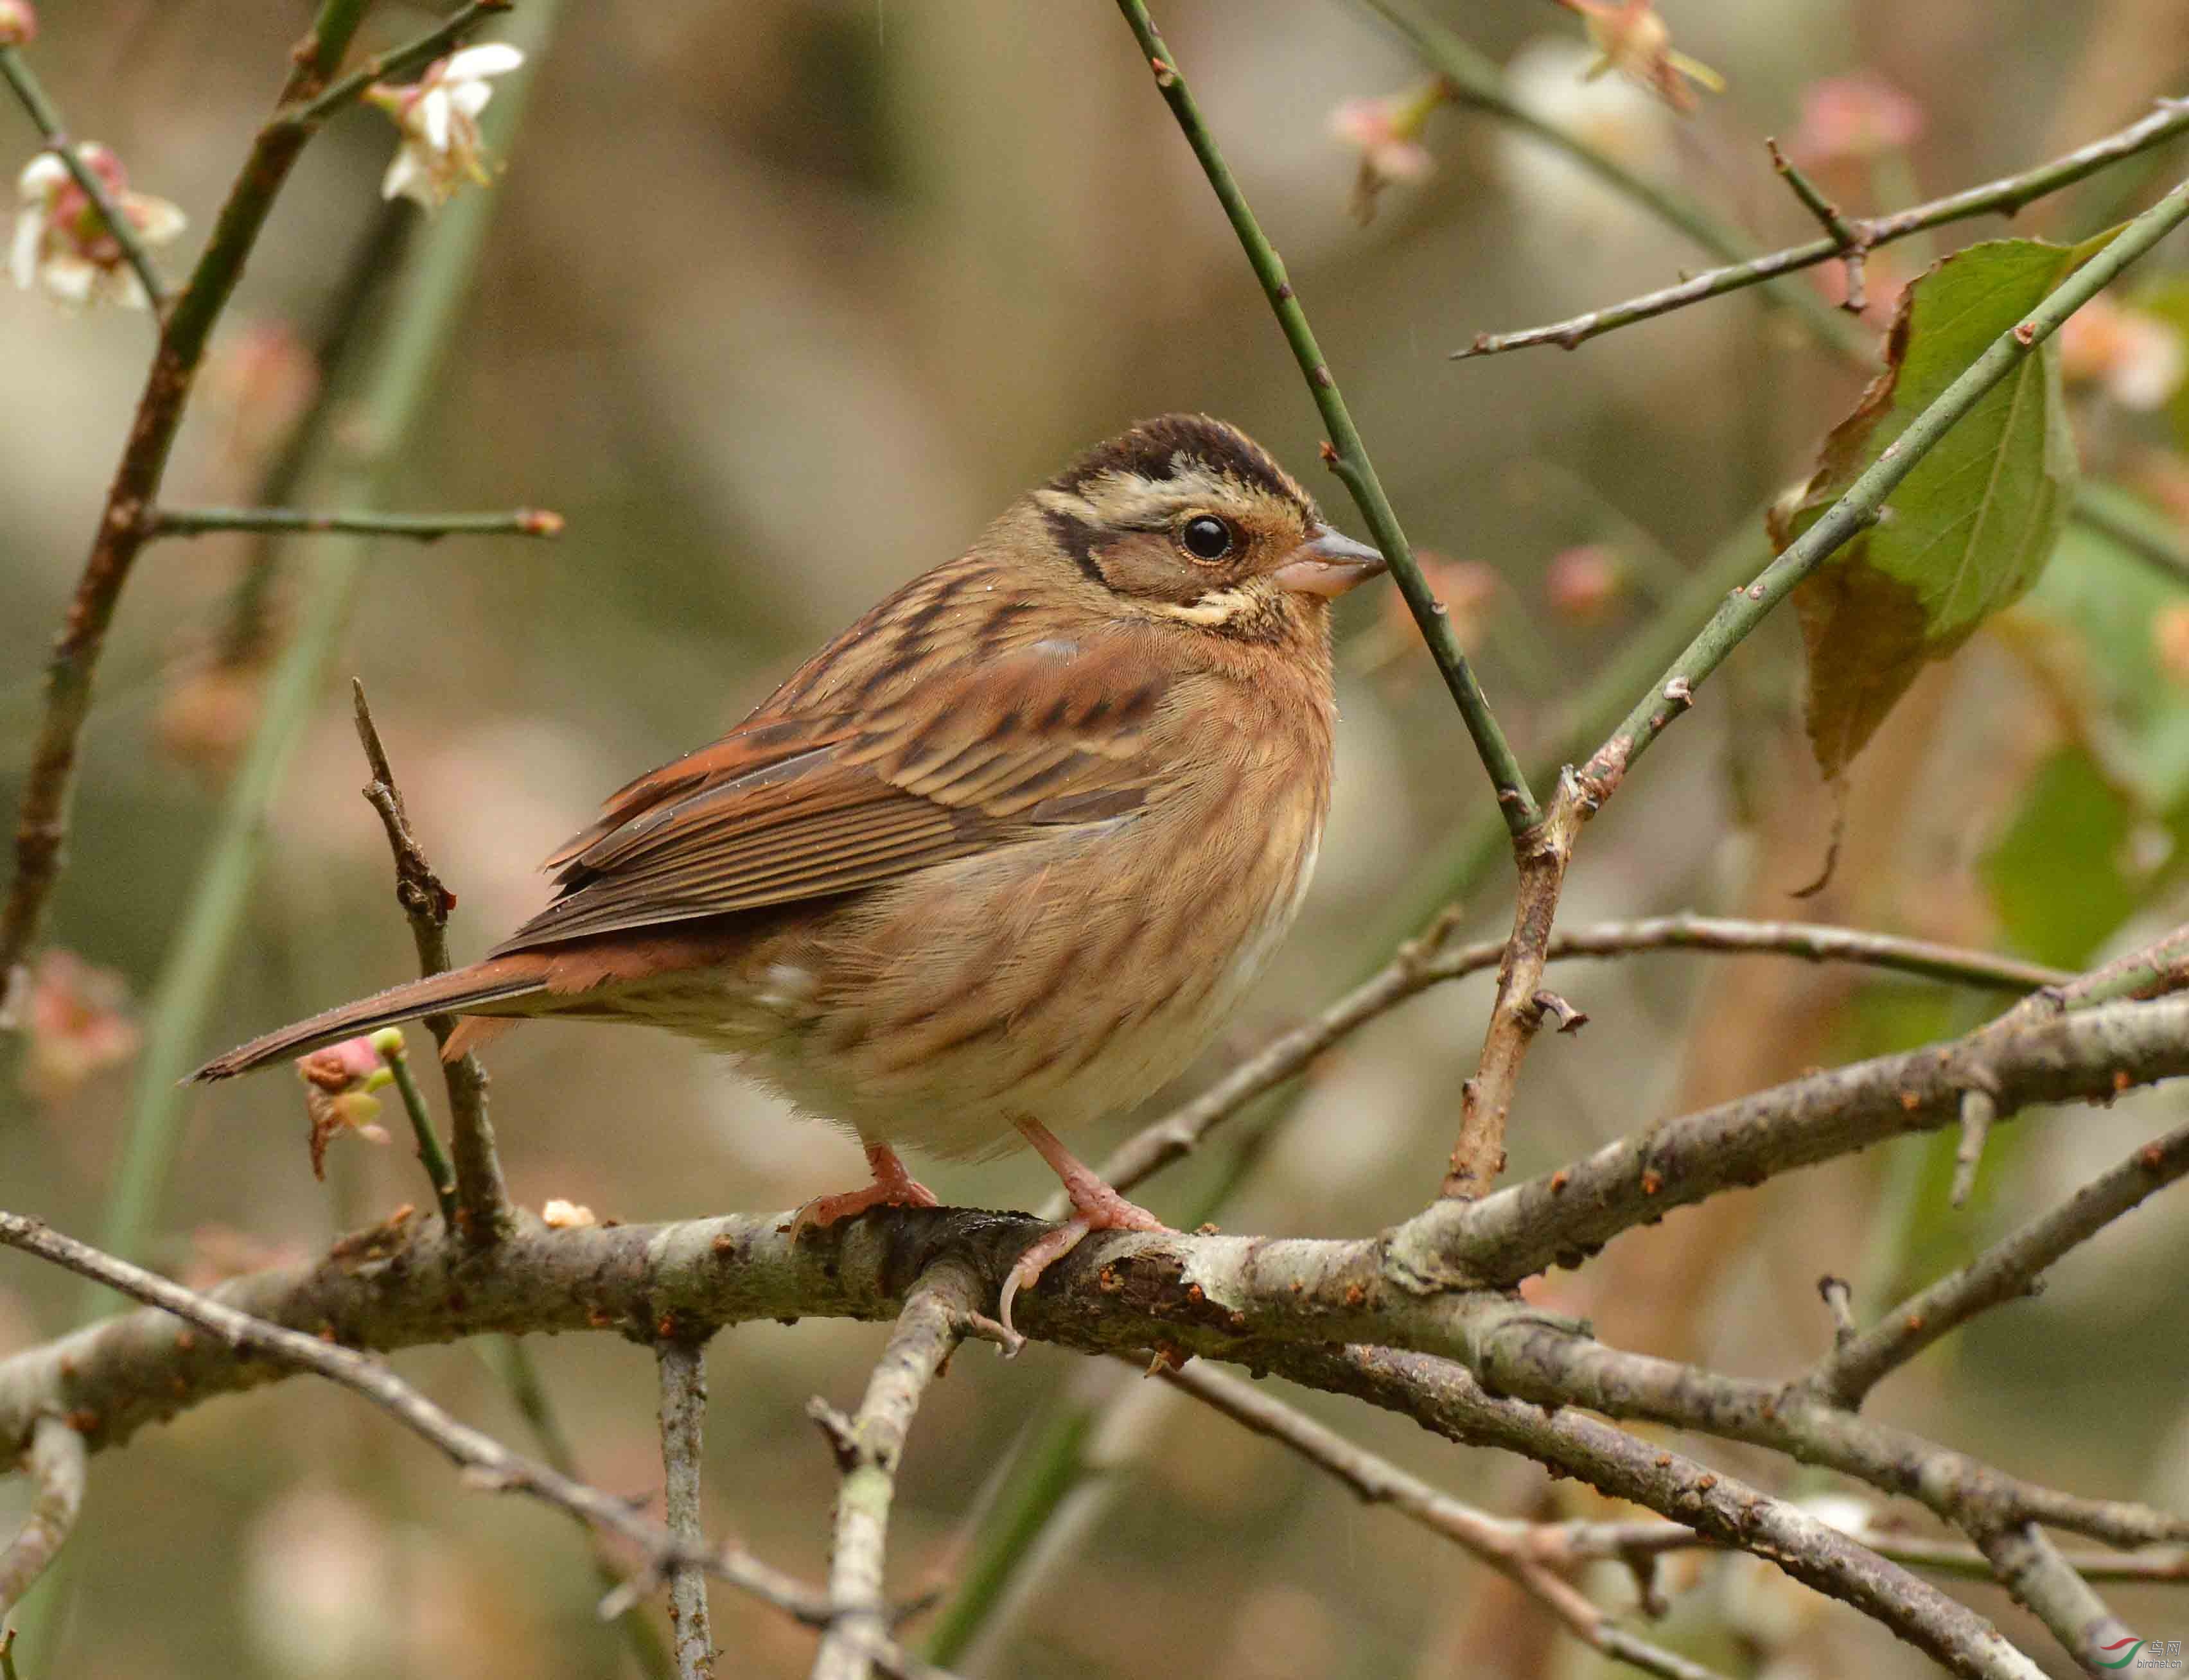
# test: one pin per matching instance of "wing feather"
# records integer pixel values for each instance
(788, 808)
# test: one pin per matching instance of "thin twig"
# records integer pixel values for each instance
(431, 1156)
(683, 1370)
(1863, 503)
(1425, 962)
(483, 1208)
(412, 55)
(2003, 197)
(868, 1448)
(19, 76)
(1852, 247)
(2150, 536)
(1505, 1544)
(48, 794)
(55, 1464)
(487, 1464)
(2008, 1270)
(1978, 1111)
(1345, 454)
(1477, 81)
(195, 521)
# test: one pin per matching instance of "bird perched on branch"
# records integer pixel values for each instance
(998, 859)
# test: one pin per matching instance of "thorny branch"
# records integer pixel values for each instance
(482, 1209)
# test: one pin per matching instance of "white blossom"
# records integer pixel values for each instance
(439, 117)
(62, 243)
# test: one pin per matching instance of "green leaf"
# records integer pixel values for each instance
(1970, 528)
(2058, 877)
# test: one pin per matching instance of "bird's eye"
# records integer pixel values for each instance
(1206, 537)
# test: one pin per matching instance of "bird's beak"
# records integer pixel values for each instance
(1328, 563)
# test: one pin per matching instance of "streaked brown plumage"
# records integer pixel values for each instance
(1001, 856)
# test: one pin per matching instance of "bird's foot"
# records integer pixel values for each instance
(1095, 1206)
(893, 1187)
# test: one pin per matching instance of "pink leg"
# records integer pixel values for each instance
(893, 1187)
(1094, 1204)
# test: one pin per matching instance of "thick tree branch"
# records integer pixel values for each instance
(56, 1464)
(1345, 454)
(487, 1464)
(2031, 1567)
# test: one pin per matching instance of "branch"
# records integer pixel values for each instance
(55, 1462)
(1486, 1100)
(1345, 454)
(2008, 1270)
(2004, 196)
(1477, 81)
(16, 72)
(395, 1058)
(2031, 1567)
(1850, 245)
(1507, 1546)
(487, 1464)
(311, 113)
(2149, 536)
(1563, 1215)
(50, 782)
(1422, 962)
(197, 522)
(1864, 504)
(683, 1368)
(483, 1210)
(868, 1448)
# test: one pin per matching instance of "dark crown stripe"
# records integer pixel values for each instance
(1150, 449)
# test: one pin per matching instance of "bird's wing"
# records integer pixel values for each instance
(827, 801)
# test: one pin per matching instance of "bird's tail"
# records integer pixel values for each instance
(499, 979)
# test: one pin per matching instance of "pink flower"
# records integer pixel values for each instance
(1630, 37)
(1854, 119)
(19, 24)
(1387, 133)
(338, 1085)
(1583, 584)
(79, 1024)
(63, 243)
(439, 114)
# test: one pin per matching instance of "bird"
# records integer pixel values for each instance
(997, 862)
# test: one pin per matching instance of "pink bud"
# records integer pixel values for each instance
(19, 24)
(1583, 584)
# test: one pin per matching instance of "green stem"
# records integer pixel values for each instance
(17, 72)
(2146, 533)
(422, 51)
(1347, 455)
(431, 1155)
(193, 522)
(1863, 503)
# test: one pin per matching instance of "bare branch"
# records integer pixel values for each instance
(683, 1368)
(1851, 246)
(487, 1464)
(55, 1462)
(1505, 1544)
(483, 1211)
(1426, 962)
(2008, 1270)
(2032, 1568)
(868, 1448)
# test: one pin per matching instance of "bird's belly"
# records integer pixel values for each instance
(931, 1018)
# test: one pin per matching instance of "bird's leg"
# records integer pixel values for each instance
(1094, 1206)
(893, 1187)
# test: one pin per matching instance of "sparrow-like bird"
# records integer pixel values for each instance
(998, 859)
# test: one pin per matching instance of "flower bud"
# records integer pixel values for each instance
(19, 24)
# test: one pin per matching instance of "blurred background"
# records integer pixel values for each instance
(784, 301)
